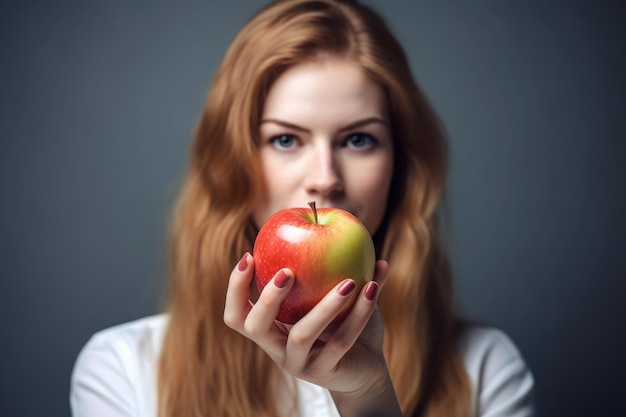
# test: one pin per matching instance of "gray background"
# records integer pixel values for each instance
(98, 101)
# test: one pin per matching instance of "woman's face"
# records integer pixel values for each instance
(325, 136)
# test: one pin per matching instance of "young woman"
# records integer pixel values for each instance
(314, 100)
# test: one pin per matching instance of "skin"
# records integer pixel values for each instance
(325, 136)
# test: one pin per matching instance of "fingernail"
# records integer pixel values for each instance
(346, 287)
(370, 290)
(281, 279)
(243, 263)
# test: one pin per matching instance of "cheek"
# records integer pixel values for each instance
(276, 170)
(375, 180)
(262, 208)
(378, 198)
(373, 192)
(278, 181)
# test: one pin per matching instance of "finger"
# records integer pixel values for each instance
(237, 305)
(354, 324)
(304, 334)
(263, 314)
(381, 271)
(261, 326)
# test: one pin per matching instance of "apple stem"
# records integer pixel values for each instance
(312, 205)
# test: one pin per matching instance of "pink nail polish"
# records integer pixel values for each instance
(281, 279)
(243, 263)
(346, 287)
(370, 290)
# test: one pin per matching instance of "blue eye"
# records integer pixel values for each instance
(283, 141)
(360, 141)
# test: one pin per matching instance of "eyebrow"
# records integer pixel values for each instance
(351, 126)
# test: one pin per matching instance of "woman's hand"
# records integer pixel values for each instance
(345, 358)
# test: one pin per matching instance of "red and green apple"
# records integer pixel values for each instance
(322, 247)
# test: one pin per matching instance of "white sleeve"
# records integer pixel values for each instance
(506, 388)
(101, 385)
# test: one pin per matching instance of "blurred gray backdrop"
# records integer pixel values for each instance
(98, 102)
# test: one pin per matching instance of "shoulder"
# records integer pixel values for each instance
(140, 332)
(500, 378)
(124, 344)
(116, 369)
(479, 343)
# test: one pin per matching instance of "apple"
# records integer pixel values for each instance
(322, 247)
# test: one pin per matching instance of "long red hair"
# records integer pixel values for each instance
(208, 369)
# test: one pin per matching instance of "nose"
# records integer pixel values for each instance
(323, 176)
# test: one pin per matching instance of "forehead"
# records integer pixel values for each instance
(326, 86)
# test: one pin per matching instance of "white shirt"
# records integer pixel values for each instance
(116, 372)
